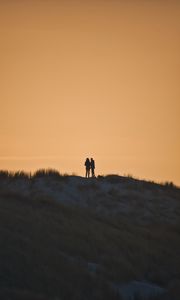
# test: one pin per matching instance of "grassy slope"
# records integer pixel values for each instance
(45, 249)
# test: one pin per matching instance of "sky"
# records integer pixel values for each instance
(91, 79)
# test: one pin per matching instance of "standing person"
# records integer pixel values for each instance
(92, 167)
(88, 167)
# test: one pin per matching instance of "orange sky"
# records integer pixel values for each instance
(91, 78)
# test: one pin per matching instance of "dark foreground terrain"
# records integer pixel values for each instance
(71, 238)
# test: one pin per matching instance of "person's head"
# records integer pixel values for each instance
(87, 159)
(91, 159)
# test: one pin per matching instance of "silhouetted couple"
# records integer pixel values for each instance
(90, 166)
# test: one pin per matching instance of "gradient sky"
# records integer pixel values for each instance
(91, 78)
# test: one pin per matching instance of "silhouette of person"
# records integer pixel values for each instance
(92, 167)
(88, 167)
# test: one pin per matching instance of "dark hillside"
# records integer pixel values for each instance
(53, 249)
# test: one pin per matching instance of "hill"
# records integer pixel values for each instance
(68, 237)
